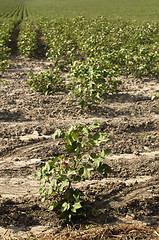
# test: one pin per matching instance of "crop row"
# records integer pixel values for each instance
(6, 29)
(26, 46)
(28, 39)
(132, 47)
(92, 52)
(18, 12)
(95, 53)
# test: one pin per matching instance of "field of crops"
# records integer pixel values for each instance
(137, 9)
(87, 72)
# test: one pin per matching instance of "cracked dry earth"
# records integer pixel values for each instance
(27, 122)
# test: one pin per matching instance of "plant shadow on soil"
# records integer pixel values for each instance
(125, 98)
(8, 116)
(28, 212)
(25, 216)
(19, 215)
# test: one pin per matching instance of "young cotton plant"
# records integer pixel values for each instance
(46, 82)
(92, 79)
(59, 174)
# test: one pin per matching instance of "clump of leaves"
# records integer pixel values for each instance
(46, 82)
(92, 79)
(59, 174)
(5, 64)
(28, 39)
(6, 30)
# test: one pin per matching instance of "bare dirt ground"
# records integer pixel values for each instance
(128, 200)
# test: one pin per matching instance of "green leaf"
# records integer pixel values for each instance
(74, 136)
(87, 169)
(96, 136)
(65, 207)
(97, 162)
(37, 174)
(105, 153)
(83, 104)
(57, 133)
(76, 206)
(31, 74)
(68, 139)
(104, 169)
(69, 148)
(71, 172)
(53, 206)
(55, 159)
(53, 183)
(42, 190)
(64, 184)
(95, 124)
(43, 199)
(100, 137)
(43, 181)
(50, 191)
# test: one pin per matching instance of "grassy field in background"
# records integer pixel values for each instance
(143, 10)
(127, 9)
(7, 5)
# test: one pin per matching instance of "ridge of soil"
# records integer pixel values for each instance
(128, 200)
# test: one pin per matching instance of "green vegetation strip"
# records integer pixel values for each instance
(28, 39)
(127, 9)
(6, 29)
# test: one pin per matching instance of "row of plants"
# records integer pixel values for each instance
(17, 11)
(28, 38)
(8, 6)
(6, 29)
(60, 40)
(131, 46)
(94, 53)
(10, 12)
(8, 23)
(90, 82)
(90, 79)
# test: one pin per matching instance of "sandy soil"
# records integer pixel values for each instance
(27, 122)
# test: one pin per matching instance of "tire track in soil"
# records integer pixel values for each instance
(131, 195)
